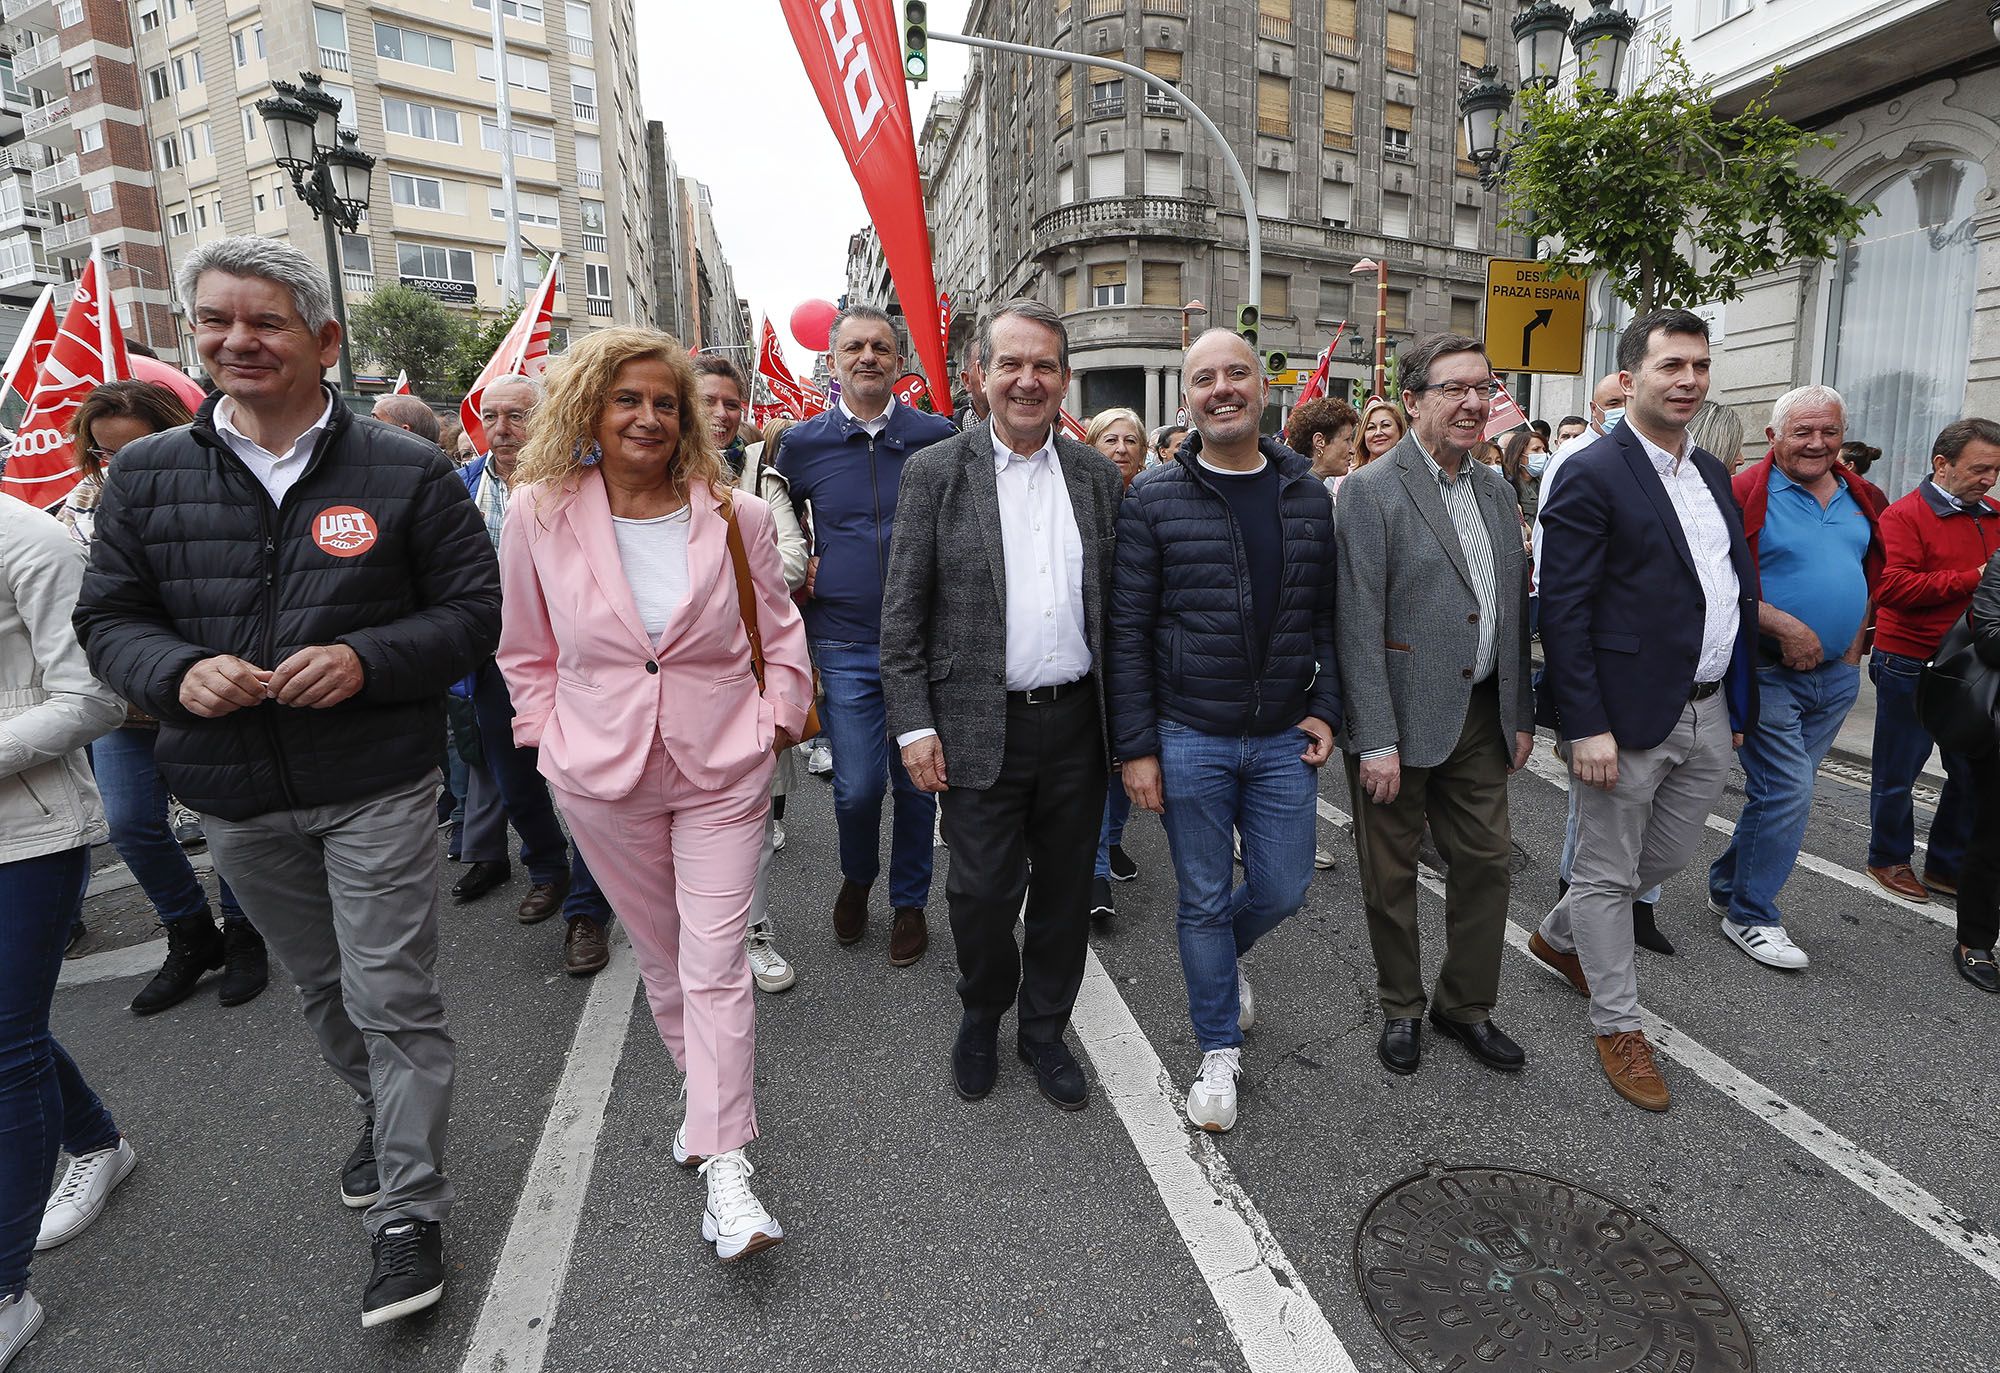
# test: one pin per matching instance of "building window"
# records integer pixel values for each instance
(589, 159)
(177, 223)
(83, 77)
(239, 45)
(1274, 193)
(535, 207)
(583, 92)
(355, 255)
(419, 121)
(157, 85)
(1465, 226)
(201, 216)
(330, 27)
(1336, 203)
(1336, 115)
(195, 141)
(527, 11)
(167, 152)
(577, 20)
(431, 263)
(1166, 174)
(1399, 309)
(417, 192)
(597, 280)
(1107, 175)
(149, 18)
(1395, 215)
(1065, 185)
(1160, 285)
(533, 268)
(415, 47)
(250, 123)
(524, 73)
(1107, 98)
(1107, 284)
(278, 191)
(593, 216)
(1274, 105)
(257, 199)
(90, 137)
(100, 199)
(530, 141)
(1465, 316)
(1402, 42)
(1396, 121)
(1336, 298)
(1276, 297)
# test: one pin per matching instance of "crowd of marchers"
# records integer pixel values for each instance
(610, 629)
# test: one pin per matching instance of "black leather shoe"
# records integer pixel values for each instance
(1401, 1047)
(1488, 1042)
(1977, 967)
(1057, 1072)
(480, 879)
(1645, 933)
(975, 1059)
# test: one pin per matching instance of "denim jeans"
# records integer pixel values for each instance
(1117, 810)
(135, 805)
(1798, 718)
(45, 1105)
(857, 726)
(1216, 787)
(1902, 747)
(548, 857)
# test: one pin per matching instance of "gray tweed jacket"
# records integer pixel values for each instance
(944, 603)
(1406, 617)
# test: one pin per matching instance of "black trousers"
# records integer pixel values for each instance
(1033, 833)
(1979, 876)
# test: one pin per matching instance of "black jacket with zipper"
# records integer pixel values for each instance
(376, 546)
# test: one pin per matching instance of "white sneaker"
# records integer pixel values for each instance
(681, 1154)
(1768, 944)
(1211, 1102)
(767, 965)
(87, 1183)
(735, 1222)
(20, 1318)
(819, 758)
(777, 835)
(1246, 1002)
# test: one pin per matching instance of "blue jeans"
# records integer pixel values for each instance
(1902, 747)
(135, 805)
(1216, 787)
(1117, 810)
(857, 727)
(1798, 718)
(45, 1105)
(549, 858)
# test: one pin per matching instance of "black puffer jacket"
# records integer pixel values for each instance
(376, 546)
(1180, 609)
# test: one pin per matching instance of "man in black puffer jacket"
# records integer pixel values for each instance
(1223, 696)
(290, 590)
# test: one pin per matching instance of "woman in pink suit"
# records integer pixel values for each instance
(624, 648)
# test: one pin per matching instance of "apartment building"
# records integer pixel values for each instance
(951, 155)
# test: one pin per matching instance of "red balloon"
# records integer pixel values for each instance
(173, 378)
(812, 324)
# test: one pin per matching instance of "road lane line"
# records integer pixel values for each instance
(512, 1333)
(1902, 1196)
(129, 961)
(1276, 1323)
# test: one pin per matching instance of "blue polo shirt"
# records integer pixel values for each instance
(1810, 556)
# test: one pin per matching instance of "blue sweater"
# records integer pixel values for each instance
(844, 484)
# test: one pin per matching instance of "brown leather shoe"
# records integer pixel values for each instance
(1628, 1063)
(543, 900)
(850, 912)
(1568, 964)
(1898, 880)
(585, 949)
(1939, 883)
(908, 937)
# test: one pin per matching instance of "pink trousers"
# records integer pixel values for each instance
(678, 865)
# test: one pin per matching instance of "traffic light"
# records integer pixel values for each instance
(916, 40)
(1276, 361)
(1246, 325)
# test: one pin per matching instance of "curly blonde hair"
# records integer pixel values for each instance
(564, 426)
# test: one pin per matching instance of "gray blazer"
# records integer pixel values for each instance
(944, 601)
(1405, 618)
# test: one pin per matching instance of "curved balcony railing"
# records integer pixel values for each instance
(1117, 215)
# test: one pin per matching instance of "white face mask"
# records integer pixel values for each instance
(1611, 417)
(1536, 462)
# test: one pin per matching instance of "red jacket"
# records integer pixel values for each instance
(1752, 489)
(1933, 556)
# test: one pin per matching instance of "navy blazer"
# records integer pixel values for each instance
(1621, 604)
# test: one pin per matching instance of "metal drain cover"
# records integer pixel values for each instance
(1496, 1268)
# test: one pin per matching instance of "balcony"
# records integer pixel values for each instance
(1157, 102)
(1122, 217)
(356, 283)
(1334, 138)
(333, 59)
(1396, 152)
(1274, 28)
(41, 60)
(590, 181)
(39, 14)
(1111, 108)
(50, 124)
(26, 275)
(1104, 9)
(68, 239)
(58, 179)
(580, 46)
(600, 308)
(24, 157)
(1175, 8)
(1342, 45)
(596, 243)
(23, 214)
(585, 110)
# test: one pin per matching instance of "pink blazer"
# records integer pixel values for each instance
(593, 692)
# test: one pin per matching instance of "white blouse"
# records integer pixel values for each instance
(654, 553)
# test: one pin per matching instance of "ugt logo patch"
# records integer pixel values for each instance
(344, 531)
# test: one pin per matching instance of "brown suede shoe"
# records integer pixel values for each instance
(850, 912)
(585, 950)
(1898, 880)
(908, 937)
(543, 900)
(1628, 1063)
(1568, 964)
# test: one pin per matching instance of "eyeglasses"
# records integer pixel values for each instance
(101, 455)
(1456, 391)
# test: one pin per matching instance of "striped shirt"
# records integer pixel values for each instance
(1707, 536)
(1461, 502)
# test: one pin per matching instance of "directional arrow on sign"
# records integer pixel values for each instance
(1541, 318)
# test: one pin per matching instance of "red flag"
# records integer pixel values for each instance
(31, 347)
(524, 352)
(1315, 386)
(944, 324)
(852, 51)
(911, 390)
(1506, 415)
(402, 386)
(89, 350)
(790, 396)
(1072, 426)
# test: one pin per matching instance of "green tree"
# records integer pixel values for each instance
(402, 330)
(1673, 201)
(479, 338)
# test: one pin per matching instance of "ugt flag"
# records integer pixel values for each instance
(524, 352)
(799, 399)
(89, 350)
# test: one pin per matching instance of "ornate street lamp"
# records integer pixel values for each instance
(1600, 40)
(329, 173)
(1540, 33)
(1482, 109)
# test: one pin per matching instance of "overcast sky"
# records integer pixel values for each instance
(741, 116)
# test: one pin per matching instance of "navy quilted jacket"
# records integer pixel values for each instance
(376, 546)
(1180, 609)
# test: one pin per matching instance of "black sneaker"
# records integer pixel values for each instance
(1123, 869)
(194, 946)
(246, 970)
(409, 1271)
(1101, 907)
(360, 1178)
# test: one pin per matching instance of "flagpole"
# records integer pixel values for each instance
(513, 277)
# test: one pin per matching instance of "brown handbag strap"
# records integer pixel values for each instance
(746, 595)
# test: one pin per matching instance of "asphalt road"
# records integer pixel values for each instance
(1830, 1152)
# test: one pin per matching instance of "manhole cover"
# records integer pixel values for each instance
(1495, 1268)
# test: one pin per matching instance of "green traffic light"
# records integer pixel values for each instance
(916, 40)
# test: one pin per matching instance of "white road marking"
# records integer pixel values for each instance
(1276, 1323)
(130, 961)
(117, 877)
(512, 1334)
(1902, 1196)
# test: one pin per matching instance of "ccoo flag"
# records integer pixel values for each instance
(31, 348)
(524, 352)
(852, 52)
(89, 350)
(789, 396)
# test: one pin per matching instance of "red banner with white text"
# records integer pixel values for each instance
(89, 350)
(789, 396)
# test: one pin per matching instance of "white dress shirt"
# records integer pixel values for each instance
(1047, 644)
(1707, 536)
(1562, 455)
(277, 471)
(874, 426)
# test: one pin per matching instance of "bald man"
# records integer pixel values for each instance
(408, 412)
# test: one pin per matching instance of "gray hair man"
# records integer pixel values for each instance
(504, 409)
(250, 572)
(408, 412)
(972, 376)
(1433, 635)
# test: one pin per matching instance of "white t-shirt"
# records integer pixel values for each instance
(654, 554)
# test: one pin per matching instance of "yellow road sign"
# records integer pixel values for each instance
(1533, 324)
(1291, 377)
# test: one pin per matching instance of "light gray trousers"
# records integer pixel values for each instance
(1631, 838)
(346, 896)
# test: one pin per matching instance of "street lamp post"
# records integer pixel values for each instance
(1193, 307)
(1381, 270)
(1600, 40)
(328, 171)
